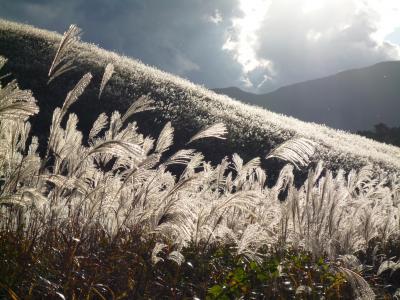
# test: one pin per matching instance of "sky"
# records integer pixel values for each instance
(256, 45)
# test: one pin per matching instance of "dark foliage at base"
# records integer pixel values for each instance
(54, 266)
(124, 270)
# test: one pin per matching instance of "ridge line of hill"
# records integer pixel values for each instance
(253, 131)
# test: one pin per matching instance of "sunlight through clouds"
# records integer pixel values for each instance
(243, 38)
(280, 42)
(312, 6)
(387, 14)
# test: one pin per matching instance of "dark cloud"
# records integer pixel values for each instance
(186, 37)
(175, 36)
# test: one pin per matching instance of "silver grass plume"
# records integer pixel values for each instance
(118, 148)
(115, 148)
(194, 163)
(220, 171)
(67, 183)
(108, 72)
(58, 113)
(165, 139)
(28, 197)
(217, 130)
(33, 146)
(115, 125)
(261, 177)
(75, 93)
(68, 40)
(243, 170)
(237, 162)
(144, 103)
(182, 157)
(16, 103)
(156, 250)
(241, 200)
(388, 265)
(351, 262)
(297, 151)
(148, 144)
(285, 179)
(100, 123)
(252, 164)
(150, 162)
(360, 287)
(252, 238)
(177, 257)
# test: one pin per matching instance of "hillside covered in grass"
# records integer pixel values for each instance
(252, 131)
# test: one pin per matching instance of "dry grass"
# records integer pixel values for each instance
(113, 201)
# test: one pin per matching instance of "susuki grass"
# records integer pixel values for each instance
(106, 218)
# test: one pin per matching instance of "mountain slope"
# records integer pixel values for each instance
(252, 131)
(351, 100)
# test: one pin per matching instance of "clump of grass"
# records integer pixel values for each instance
(107, 218)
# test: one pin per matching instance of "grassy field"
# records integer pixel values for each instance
(252, 131)
(102, 216)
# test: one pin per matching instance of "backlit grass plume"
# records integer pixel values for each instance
(62, 61)
(142, 104)
(108, 71)
(297, 151)
(215, 131)
(16, 103)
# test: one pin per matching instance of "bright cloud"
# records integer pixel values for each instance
(279, 42)
(310, 6)
(386, 16)
(243, 40)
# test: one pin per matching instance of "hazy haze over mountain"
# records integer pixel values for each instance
(351, 100)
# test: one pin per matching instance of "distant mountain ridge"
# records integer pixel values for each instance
(351, 100)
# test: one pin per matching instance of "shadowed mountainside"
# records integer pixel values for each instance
(351, 100)
(252, 131)
(384, 134)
